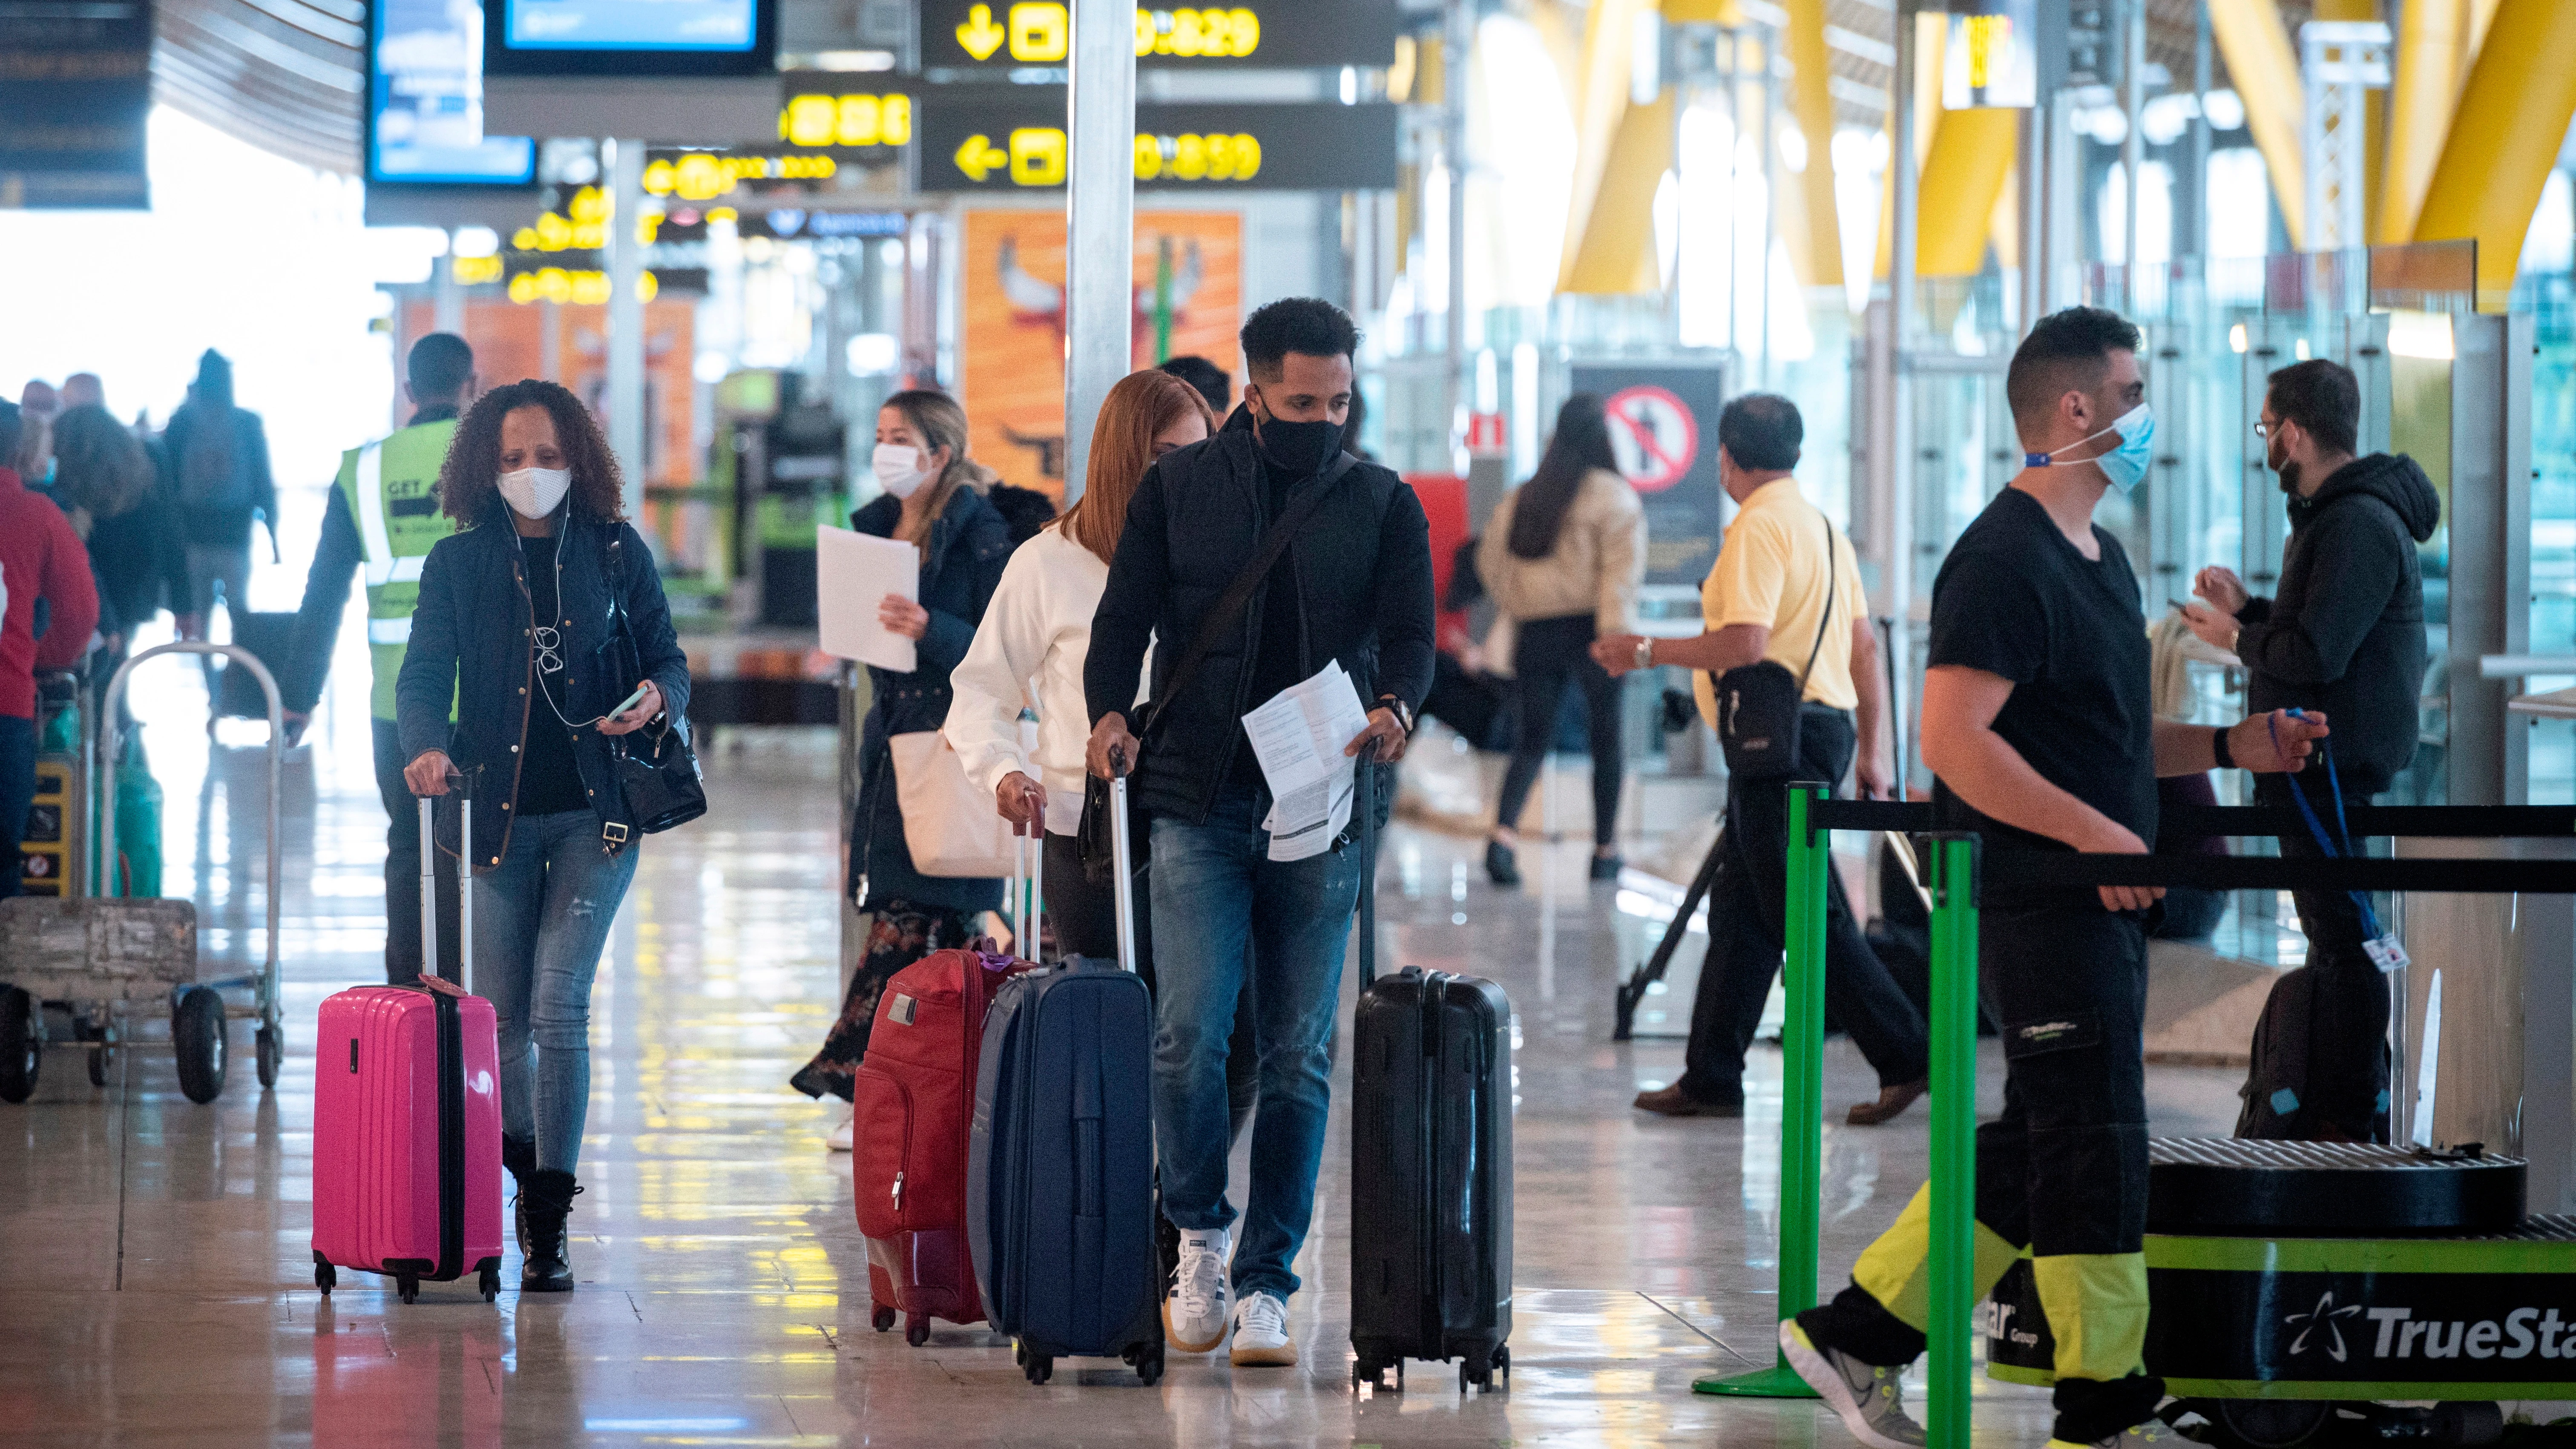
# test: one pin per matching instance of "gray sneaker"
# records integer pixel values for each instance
(1864, 1396)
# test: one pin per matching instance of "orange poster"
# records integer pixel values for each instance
(1189, 270)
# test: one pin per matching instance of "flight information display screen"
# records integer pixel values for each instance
(425, 100)
(722, 26)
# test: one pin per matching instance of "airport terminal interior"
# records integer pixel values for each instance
(793, 266)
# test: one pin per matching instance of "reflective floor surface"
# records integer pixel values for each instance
(158, 1283)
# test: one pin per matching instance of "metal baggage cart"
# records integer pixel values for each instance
(99, 956)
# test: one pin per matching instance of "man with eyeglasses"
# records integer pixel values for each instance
(2345, 636)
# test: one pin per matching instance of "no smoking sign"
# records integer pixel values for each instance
(1654, 435)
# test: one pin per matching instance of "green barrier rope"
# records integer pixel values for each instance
(1802, 1120)
(1954, 1138)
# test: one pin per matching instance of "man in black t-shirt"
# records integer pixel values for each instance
(2038, 725)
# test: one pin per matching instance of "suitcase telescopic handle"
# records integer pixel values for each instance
(1364, 801)
(1122, 860)
(464, 887)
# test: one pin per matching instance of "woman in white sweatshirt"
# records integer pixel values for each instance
(1563, 555)
(1029, 651)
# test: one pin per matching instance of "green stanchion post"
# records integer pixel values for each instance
(1954, 1138)
(1802, 1086)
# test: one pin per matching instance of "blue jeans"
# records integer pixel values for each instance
(1218, 904)
(541, 919)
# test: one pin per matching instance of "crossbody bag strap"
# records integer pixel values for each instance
(1230, 605)
(1824, 625)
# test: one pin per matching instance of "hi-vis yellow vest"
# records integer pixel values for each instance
(391, 488)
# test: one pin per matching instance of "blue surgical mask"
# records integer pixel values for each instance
(2125, 465)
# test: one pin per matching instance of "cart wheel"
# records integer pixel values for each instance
(1149, 1365)
(325, 1277)
(408, 1285)
(2268, 1423)
(22, 1044)
(2468, 1423)
(197, 1033)
(272, 1050)
(884, 1319)
(916, 1332)
(491, 1282)
(102, 1055)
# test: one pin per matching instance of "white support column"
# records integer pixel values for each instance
(1457, 44)
(1100, 222)
(1899, 453)
(626, 318)
(448, 304)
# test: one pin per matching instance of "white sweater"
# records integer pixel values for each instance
(1028, 654)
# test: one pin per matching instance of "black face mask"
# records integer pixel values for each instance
(1299, 448)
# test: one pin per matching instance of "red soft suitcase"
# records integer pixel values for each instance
(913, 1099)
(407, 1125)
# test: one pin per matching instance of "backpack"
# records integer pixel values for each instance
(2286, 1096)
(214, 467)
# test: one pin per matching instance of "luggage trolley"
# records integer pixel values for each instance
(106, 954)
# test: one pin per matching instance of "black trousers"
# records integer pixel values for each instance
(1547, 655)
(2346, 1093)
(1747, 905)
(2062, 1172)
(402, 872)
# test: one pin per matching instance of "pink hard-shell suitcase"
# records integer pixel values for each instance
(407, 1125)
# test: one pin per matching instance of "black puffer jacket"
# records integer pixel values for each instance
(470, 643)
(1362, 579)
(2346, 634)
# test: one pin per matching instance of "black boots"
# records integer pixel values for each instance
(546, 1201)
(519, 1155)
(1501, 867)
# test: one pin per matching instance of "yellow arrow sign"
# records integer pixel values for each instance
(979, 157)
(981, 36)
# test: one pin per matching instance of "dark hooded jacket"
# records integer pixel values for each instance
(2346, 633)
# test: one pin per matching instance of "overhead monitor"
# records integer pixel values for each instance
(425, 100)
(630, 37)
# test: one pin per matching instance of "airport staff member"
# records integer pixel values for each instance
(1786, 587)
(384, 515)
(2346, 635)
(2039, 728)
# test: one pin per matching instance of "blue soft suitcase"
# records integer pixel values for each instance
(1060, 1166)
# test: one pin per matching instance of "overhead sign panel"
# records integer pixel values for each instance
(425, 100)
(1014, 34)
(720, 25)
(75, 91)
(1992, 59)
(1012, 138)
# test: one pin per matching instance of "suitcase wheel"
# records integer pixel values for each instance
(1039, 1367)
(491, 1282)
(1503, 1361)
(325, 1277)
(883, 1318)
(408, 1285)
(916, 1331)
(1147, 1360)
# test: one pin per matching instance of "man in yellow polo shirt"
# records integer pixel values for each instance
(1786, 588)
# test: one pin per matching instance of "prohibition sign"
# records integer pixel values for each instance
(1654, 435)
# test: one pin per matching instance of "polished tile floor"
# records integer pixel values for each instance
(157, 1282)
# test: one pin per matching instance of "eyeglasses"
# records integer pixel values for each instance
(2265, 430)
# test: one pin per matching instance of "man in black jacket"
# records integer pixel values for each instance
(1354, 588)
(2346, 636)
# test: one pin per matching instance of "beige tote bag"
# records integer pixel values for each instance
(951, 827)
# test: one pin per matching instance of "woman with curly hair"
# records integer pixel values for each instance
(542, 619)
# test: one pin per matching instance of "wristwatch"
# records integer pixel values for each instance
(1645, 654)
(2226, 758)
(1402, 712)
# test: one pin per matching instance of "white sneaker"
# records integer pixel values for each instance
(1261, 1333)
(1865, 1396)
(1194, 1313)
(841, 1138)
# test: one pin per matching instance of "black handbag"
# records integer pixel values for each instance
(1758, 703)
(1099, 867)
(661, 780)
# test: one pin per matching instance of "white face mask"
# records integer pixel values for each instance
(899, 470)
(536, 492)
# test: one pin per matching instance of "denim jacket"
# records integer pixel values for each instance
(472, 642)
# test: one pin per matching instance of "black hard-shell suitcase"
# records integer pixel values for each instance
(1431, 1163)
(1060, 1163)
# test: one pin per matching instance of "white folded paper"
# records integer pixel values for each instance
(1299, 737)
(853, 573)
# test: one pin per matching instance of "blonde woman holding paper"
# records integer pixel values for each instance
(933, 499)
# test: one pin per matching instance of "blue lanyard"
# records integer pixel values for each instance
(2316, 827)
